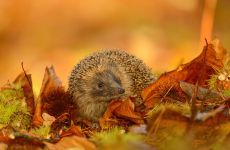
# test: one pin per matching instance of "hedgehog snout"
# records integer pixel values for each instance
(121, 90)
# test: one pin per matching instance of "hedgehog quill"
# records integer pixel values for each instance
(105, 76)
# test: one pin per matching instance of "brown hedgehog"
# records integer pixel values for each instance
(105, 76)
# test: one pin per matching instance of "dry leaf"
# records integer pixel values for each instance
(106, 120)
(3, 146)
(48, 119)
(26, 82)
(72, 142)
(24, 143)
(126, 111)
(198, 70)
(122, 109)
(206, 127)
(50, 83)
(202, 93)
(59, 125)
(73, 130)
(167, 118)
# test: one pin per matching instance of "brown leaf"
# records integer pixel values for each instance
(214, 117)
(126, 111)
(50, 83)
(112, 106)
(122, 109)
(59, 124)
(198, 70)
(73, 130)
(206, 127)
(26, 83)
(202, 93)
(24, 143)
(167, 118)
(105, 121)
(72, 142)
(48, 119)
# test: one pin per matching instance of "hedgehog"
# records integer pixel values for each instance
(105, 76)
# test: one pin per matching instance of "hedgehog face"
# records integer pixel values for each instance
(106, 86)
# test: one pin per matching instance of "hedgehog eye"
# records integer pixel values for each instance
(100, 85)
(228, 78)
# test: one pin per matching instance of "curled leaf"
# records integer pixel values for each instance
(198, 70)
(50, 83)
(72, 142)
(25, 81)
(122, 109)
(126, 110)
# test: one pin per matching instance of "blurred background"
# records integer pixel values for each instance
(164, 34)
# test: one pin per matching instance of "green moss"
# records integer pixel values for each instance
(175, 143)
(183, 108)
(227, 93)
(42, 131)
(212, 82)
(222, 72)
(20, 120)
(115, 138)
(13, 108)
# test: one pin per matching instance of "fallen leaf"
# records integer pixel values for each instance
(25, 81)
(126, 111)
(167, 124)
(198, 70)
(3, 146)
(61, 123)
(202, 93)
(50, 83)
(25, 143)
(167, 118)
(48, 119)
(206, 115)
(122, 109)
(106, 120)
(73, 130)
(72, 142)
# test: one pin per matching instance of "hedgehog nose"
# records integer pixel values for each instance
(121, 91)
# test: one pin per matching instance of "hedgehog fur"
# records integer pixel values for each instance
(105, 76)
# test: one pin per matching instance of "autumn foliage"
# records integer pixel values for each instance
(179, 108)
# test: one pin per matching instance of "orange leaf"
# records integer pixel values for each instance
(73, 130)
(198, 70)
(59, 124)
(72, 142)
(126, 110)
(50, 82)
(112, 106)
(105, 121)
(26, 83)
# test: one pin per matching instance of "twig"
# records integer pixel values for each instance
(206, 41)
(26, 75)
(193, 112)
(156, 124)
(166, 93)
(193, 101)
(220, 93)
